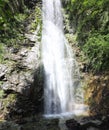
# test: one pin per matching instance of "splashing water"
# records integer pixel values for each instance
(60, 69)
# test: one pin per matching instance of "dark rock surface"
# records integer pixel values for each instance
(31, 3)
(72, 124)
(21, 72)
(89, 123)
(34, 123)
(21, 81)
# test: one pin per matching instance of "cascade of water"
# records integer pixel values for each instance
(61, 74)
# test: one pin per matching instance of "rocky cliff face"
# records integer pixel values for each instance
(21, 76)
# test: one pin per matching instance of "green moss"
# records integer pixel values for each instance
(97, 51)
(20, 17)
(12, 17)
(1, 94)
(37, 22)
(71, 39)
(1, 52)
(11, 98)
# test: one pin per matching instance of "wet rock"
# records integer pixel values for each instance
(42, 124)
(39, 123)
(31, 37)
(31, 3)
(32, 60)
(23, 52)
(8, 126)
(105, 123)
(20, 75)
(92, 128)
(3, 70)
(13, 57)
(7, 86)
(89, 123)
(73, 125)
(23, 78)
(97, 93)
(14, 50)
(18, 82)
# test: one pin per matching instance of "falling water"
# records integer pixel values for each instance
(60, 69)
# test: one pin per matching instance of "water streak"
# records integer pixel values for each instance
(60, 69)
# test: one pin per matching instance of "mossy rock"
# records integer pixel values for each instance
(5, 103)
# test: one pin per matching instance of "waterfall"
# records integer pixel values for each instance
(60, 69)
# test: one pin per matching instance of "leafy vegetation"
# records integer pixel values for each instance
(12, 17)
(1, 94)
(15, 16)
(37, 21)
(90, 20)
(97, 51)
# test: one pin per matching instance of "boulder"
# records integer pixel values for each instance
(73, 124)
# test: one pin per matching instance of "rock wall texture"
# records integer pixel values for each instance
(21, 75)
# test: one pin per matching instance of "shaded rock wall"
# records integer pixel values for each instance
(97, 94)
(21, 77)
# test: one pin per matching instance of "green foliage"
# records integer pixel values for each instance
(89, 16)
(9, 16)
(1, 52)
(12, 16)
(37, 21)
(1, 94)
(10, 99)
(90, 19)
(8, 9)
(97, 51)
(20, 17)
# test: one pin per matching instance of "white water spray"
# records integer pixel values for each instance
(60, 69)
